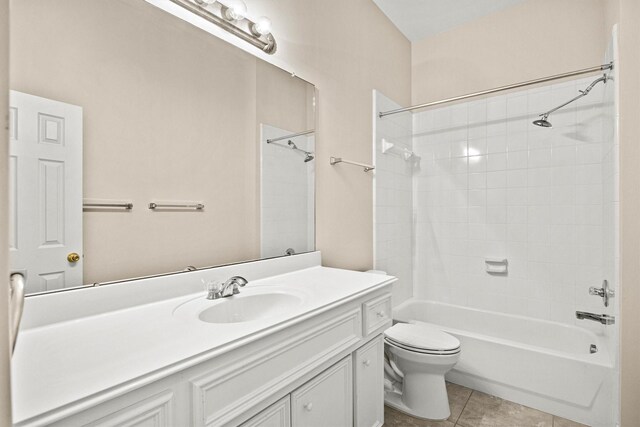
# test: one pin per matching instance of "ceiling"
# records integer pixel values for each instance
(418, 19)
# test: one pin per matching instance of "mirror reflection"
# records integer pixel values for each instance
(139, 146)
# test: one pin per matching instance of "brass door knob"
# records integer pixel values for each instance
(73, 257)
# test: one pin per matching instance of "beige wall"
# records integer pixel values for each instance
(627, 13)
(5, 358)
(534, 39)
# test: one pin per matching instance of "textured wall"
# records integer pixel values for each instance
(534, 39)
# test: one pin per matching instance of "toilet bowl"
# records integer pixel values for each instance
(417, 356)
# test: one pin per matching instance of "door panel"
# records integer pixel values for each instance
(45, 170)
(369, 384)
(326, 400)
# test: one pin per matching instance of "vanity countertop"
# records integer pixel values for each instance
(67, 363)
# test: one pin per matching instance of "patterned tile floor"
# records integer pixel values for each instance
(470, 408)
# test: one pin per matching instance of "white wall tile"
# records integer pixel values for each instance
(493, 184)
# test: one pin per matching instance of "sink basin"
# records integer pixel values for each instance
(246, 308)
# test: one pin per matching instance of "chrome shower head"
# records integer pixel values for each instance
(543, 122)
(309, 157)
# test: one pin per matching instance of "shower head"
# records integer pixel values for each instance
(309, 156)
(543, 122)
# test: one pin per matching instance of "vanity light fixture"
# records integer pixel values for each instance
(231, 16)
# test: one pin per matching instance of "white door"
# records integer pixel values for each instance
(45, 167)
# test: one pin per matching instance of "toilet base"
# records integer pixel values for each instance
(394, 400)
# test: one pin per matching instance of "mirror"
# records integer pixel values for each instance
(141, 145)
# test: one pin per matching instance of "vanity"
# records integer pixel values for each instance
(300, 345)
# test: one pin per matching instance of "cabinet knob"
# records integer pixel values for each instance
(380, 313)
(366, 362)
(308, 406)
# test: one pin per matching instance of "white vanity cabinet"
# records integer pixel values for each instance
(324, 368)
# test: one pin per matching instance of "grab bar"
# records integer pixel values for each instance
(196, 206)
(124, 205)
(335, 160)
(16, 285)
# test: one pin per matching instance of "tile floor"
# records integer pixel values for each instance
(470, 408)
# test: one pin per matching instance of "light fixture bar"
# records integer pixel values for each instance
(269, 46)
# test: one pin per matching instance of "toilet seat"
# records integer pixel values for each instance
(422, 338)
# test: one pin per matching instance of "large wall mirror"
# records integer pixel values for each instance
(141, 145)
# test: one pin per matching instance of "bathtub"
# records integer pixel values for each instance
(544, 365)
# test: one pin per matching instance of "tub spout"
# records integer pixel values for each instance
(605, 319)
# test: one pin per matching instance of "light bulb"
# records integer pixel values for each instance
(261, 27)
(235, 11)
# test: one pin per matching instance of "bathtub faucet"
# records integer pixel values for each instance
(605, 319)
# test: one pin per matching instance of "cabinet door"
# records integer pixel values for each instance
(369, 384)
(326, 400)
(276, 415)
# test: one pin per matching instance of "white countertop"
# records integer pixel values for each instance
(68, 362)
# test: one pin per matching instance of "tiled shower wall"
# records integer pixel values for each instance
(393, 204)
(491, 184)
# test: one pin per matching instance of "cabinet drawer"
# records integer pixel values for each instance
(368, 369)
(232, 388)
(377, 313)
(326, 400)
(276, 415)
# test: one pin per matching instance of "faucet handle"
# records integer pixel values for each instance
(213, 288)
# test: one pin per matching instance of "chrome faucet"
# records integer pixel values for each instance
(232, 286)
(605, 319)
(227, 289)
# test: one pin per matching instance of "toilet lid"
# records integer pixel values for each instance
(421, 336)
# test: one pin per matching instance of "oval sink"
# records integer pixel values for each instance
(246, 308)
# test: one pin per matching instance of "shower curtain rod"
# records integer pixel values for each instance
(603, 67)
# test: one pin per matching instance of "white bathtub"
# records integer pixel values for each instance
(541, 364)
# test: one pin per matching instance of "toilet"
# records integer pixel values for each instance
(417, 356)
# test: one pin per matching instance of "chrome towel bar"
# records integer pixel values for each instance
(124, 205)
(335, 160)
(196, 206)
(16, 286)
